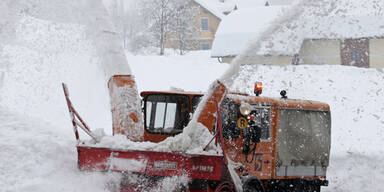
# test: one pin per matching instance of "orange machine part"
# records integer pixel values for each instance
(264, 167)
(124, 122)
(207, 116)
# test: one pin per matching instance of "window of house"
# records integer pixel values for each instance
(204, 24)
(205, 46)
(356, 57)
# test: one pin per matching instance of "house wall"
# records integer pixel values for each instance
(327, 51)
(269, 60)
(202, 36)
(320, 52)
(376, 50)
(323, 51)
(227, 59)
(213, 24)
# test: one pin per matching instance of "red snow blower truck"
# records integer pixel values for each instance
(266, 144)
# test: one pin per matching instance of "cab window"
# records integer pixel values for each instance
(167, 114)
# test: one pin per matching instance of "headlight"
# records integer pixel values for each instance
(245, 109)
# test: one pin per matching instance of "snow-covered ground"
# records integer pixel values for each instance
(39, 155)
(40, 50)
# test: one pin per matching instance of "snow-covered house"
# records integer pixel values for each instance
(352, 40)
(320, 32)
(208, 19)
(212, 12)
(239, 28)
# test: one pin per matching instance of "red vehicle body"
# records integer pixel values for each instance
(271, 144)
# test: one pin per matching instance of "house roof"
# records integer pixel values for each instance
(216, 7)
(279, 2)
(319, 19)
(246, 4)
(242, 26)
(342, 27)
(257, 3)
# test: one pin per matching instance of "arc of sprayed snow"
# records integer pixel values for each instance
(280, 25)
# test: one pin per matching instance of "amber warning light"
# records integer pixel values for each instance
(258, 88)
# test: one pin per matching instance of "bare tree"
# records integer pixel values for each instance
(136, 26)
(159, 15)
(145, 23)
(171, 21)
(183, 28)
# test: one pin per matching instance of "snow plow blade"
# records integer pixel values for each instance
(208, 167)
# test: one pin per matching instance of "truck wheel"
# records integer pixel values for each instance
(309, 187)
(253, 185)
(225, 187)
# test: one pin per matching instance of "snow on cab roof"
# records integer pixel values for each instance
(242, 26)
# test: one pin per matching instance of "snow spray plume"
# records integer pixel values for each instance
(285, 24)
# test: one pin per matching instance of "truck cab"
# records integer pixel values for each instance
(167, 113)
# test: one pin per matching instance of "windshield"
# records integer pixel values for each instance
(167, 114)
(304, 137)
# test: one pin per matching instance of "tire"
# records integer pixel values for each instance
(225, 187)
(253, 185)
(310, 187)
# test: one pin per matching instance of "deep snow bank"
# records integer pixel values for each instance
(36, 158)
(43, 55)
(44, 43)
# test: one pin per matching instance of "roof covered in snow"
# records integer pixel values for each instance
(217, 7)
(242, 26)
(279, 2)
(314, 19)
(220, 7)
(245, 4)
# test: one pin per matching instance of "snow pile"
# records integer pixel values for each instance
(193, 140)
(43, 55)
(53, 41)
(42, 44)
(37, 158)
(175, 183)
